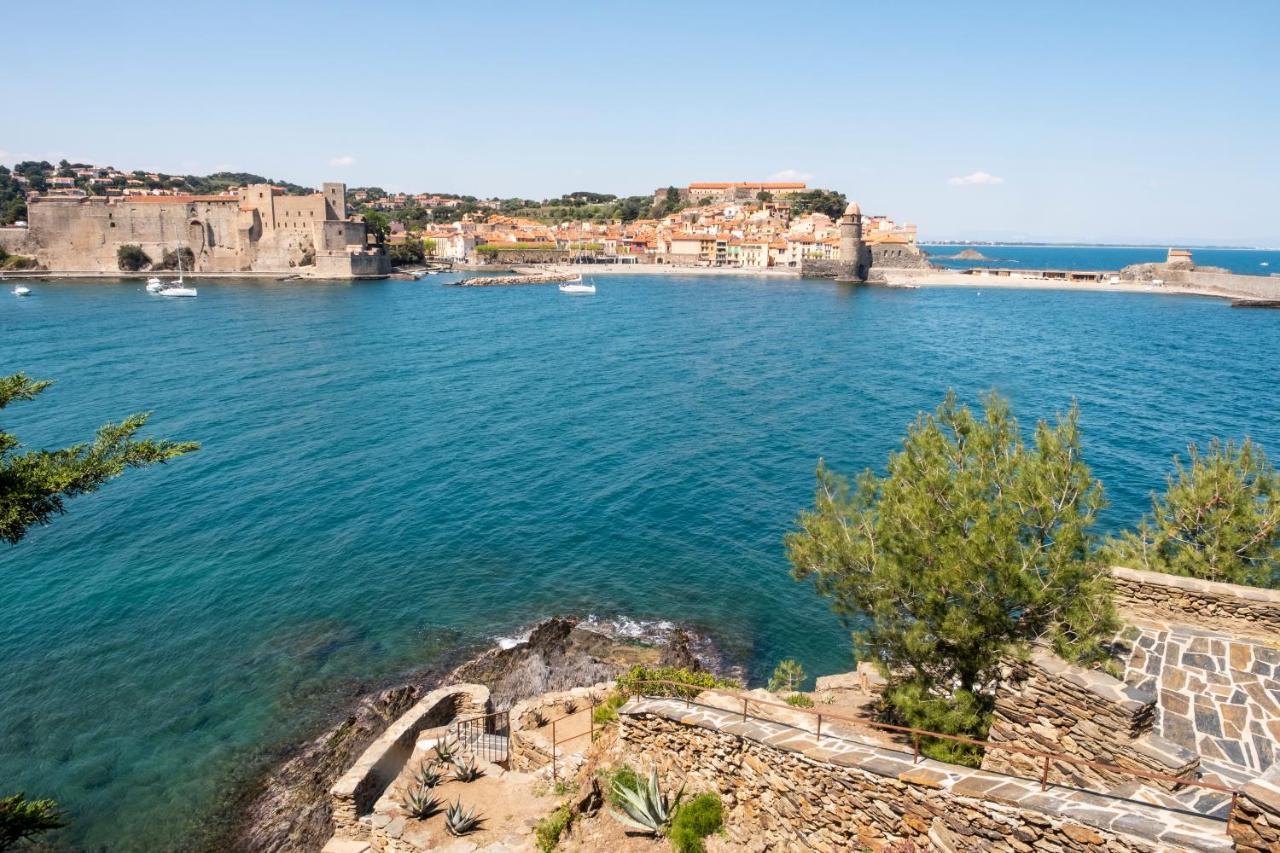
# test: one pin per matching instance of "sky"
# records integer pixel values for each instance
(1118, 121)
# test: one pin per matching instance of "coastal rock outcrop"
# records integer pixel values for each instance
(291, 809)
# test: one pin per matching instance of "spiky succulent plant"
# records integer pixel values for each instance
(420, 802)
(538, 719)
(466, 772)
(570, 706)
(645, 807)
(459, 821)
(429, 774)
(445, 750)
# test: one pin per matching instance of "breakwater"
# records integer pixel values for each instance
(500, 280)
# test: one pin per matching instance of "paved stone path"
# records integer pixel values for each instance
(1177, 829)
(1215, 695)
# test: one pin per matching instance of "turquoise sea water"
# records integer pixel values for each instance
(1244, 261)
(393, 469)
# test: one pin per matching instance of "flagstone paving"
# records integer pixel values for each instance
(1216, 695)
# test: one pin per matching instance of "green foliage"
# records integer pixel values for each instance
(645, 806)
(406, 253)
(376, 223)
(429, 774)
(764, 195)
(171, 259)
(799, 700)
(18, 262)
(607, 711)
(640, 680)
(787, 676)
(35, 484)
(131, 258)
(13, 199)
(622, 777)
(22, 819)
(695, 820)
(445, 751)
(429, 246)
(459, 821)
(828, 202)
(551, 827)
(971, 546)
(1219, 519)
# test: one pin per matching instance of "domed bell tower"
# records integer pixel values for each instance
(853, 251)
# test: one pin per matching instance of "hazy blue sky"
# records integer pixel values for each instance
(1114, 120)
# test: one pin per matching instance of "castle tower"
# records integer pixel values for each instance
(853, 251)
(335, 201)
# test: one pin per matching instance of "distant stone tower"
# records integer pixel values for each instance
(853, 251)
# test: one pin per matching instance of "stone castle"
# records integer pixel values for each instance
(257, 229)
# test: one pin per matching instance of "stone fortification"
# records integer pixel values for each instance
(785, 789)
(256, 230)
(359, 788)
(1044, 703)
(1240, 611)
(531, 732)
(1184, 274)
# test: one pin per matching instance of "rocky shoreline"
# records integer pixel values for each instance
(288, 809)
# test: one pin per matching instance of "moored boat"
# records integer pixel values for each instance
(578, 286)
(21, 291)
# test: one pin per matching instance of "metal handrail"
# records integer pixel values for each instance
(917, 734)
(591, 730)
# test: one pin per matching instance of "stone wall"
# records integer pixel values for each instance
(14, 241)
(1242, 611)
(1046, 704)
(1255, 820)
(359, 788)
(785, 789)
(1208, 280)
(530, 747)
(816, 268)
(899, 256)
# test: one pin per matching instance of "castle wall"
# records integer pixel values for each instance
(14, 241)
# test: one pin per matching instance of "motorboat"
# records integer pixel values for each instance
(154, 285)
(578, 286)
(21, 291)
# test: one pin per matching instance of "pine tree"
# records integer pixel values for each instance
(973, 545)
(1219, 519)
(787, 676)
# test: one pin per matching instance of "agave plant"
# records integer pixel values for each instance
(421, 803)
(468, 772)
(538, 718)
(570, 706)
(445, 750)
(646, 807)
(460, 821)
(429, 774)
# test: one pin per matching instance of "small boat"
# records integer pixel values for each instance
(155, 285)
(1265, 264)
(176, 287)
(578, 286)
(21, 291)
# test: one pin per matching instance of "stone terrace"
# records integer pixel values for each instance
(836, 791)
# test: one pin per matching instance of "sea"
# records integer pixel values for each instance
(1108, 258)
(391, 471)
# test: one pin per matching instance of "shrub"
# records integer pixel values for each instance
(636, 680)
(18, 262)
(799, 700)
(1217, 519)
(788, 676)
(551, 827)
(622, 776)
(131, 258)
(694, 821)
(607, 710)
(171, 258)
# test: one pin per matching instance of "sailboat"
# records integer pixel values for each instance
(176, 288)
(578, 286)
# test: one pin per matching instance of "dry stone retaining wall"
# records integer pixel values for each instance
(1047, 704)
(359, 788)
(1255, 820)
(1241, 611)
(785, 789)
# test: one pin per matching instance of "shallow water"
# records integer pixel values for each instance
(393, 469)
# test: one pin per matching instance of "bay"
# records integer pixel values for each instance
(393, 469)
